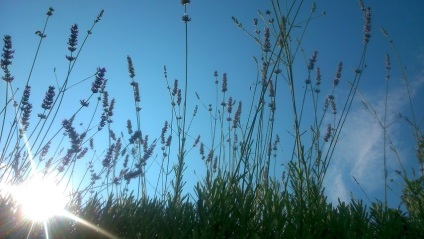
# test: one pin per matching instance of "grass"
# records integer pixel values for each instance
(240, 195)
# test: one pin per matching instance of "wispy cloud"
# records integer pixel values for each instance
(360, 150)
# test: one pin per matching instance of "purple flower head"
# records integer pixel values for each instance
(50, 12)
(6, 58)
(267, 43)
(271, 89)
(7, 54)
(215, 73)
(230, 105)
(84, 103)
(26, 109)
(224, 83)
(179, 98)
(99, 16)
(175, 89)
(327, 133)
(74, 137)
(99, 80)
(162, 135)
(25, 96)
(338, 74)
(318, 77)
(73, 41)
(48, 99)
(237, 115)
(312, 60)
(108, 158)
(130, 67)
(185, 18)
(367, 25)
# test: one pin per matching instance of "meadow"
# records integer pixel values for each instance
(249, 188)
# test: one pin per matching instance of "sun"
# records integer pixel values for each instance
(41, 198)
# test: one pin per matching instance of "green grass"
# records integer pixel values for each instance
(239, 195)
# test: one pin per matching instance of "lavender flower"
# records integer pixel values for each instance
(136, 91)
(6, 58)
(108, 157)
(25, 96)
(175, 89)
(136, 136)
(50, 12)
(224, 83)
(237, 115)
(318, 77)
(271, 89)
(367, 25)
(202, 150)
(312, 60)
(127, 157)
(215, 74)
(162, 135)
(48, 99)
(82, 153)
(328, 133)
(72, 41)
(99, 16)
(179, 98)
(148, 153)
(105, 100)
(264, 71)
(26, 109)
(267, 43)
(130, 67)
(73, 136)
(103, 120)
(133, 174)
(388, 67)
(338, 74)
(333, 106)
(45, 149)
(129, 127)
(84, 103)
(100, 74)
(230, 105)
(185, 18)
(168, 141)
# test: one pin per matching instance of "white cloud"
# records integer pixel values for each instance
(360, 150)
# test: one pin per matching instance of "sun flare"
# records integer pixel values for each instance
(41, 198)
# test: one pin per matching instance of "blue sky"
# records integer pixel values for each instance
(152, 33)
